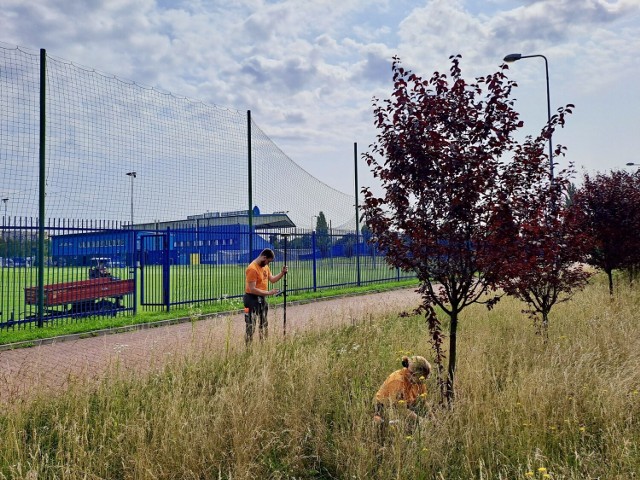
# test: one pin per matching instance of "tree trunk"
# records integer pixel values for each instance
(610, 275)
(452, 358)
(545, 326)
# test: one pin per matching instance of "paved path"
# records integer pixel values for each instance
(51, 368)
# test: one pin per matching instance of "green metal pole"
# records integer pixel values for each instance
(355, 169)
(43, 83)
(250, 182)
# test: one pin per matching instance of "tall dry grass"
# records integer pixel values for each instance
(301, 407)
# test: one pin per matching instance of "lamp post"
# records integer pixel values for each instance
(513, 57)
(4, 219)
(132, 175)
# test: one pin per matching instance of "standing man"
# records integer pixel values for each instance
(255, 306)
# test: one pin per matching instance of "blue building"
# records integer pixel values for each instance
(211, 238)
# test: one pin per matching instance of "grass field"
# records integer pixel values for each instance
(568, 408)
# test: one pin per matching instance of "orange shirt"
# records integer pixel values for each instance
(258, 274)
(398, 386)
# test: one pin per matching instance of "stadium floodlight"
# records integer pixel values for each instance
(132, 175)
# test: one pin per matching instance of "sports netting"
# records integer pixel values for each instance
(189, 157)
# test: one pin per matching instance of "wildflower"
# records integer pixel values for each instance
(542, 470)
(423, 395)
(409, 438)
(552, 427)
(582, 429)
(546, 475)
(425, 450)
(421, 378)
(635, 392)
(401, 402)
(529, 474)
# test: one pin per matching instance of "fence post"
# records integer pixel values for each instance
(132, 251)
(166, 272)
(41, 193)
(313, 250)
(355, 169)
(250, 185)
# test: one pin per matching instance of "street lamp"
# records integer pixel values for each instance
(132, 175)
(4, 219)
(513, 57)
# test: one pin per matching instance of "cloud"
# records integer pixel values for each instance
(308, 70)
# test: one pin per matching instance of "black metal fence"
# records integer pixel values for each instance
(97, 269)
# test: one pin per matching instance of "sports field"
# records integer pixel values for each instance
(182, 285)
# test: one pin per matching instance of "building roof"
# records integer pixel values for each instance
(262, 221)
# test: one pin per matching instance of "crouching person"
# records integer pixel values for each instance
(402, 395)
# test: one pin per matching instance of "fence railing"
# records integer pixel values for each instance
(101, 269)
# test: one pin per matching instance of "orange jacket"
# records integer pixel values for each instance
(258, 274)
(398, 386)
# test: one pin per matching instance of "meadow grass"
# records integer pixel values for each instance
(301, 407)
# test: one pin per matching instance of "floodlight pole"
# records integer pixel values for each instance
(132, 175)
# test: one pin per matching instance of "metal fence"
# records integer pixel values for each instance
(103, 269)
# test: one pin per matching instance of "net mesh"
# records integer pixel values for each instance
(189, 157)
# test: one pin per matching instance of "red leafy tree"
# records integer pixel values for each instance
(440, 156)
(541, 251)
(607, 208)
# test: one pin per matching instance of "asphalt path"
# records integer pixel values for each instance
(51, 368)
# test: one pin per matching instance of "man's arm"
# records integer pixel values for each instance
(275, 278)
(258, 291)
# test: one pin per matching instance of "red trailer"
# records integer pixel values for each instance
(94, 296)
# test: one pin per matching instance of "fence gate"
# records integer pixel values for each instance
(155, 280)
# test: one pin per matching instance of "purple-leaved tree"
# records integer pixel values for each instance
(444, 149)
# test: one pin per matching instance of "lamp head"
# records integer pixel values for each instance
(631, 164)
(512, 57)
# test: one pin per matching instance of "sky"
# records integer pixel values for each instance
(308, 70)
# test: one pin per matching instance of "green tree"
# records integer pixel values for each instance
(322, 235)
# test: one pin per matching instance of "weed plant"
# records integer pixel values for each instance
(301, 407)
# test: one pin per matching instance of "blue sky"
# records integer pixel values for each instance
(308, 69)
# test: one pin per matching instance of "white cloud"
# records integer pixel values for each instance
(308, 69)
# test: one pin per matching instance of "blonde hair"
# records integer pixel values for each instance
(417, 364)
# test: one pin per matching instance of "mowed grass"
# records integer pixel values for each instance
(301, 407)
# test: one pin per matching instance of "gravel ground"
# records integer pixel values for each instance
(53, 367)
